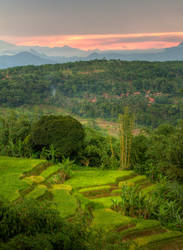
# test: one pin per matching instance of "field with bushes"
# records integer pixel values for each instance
(99, 192)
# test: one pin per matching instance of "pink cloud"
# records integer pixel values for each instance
(104, 41)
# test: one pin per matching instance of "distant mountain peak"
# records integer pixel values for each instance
(181, 45)
(67, 47)
(6, 45)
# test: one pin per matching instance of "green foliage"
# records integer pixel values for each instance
(97, 227)
(35, 225)
(29, 218)
(140, 179)
(65, 134)
(141, 226)
(13, 133)
(105, 202)
(97, 151)
(63, 173)
(108, 219)
(159, 153)
(100, 88)
(168, 204)
(64, 202)
(23, 242)
(133, 202)
(157, 239)
(101, 188)
(49, 153)
(37, 192)
(85, 178)
(66, 169)
(50, 171)
(126, 126)
(140, 145)
(165, 204)
(11, 170)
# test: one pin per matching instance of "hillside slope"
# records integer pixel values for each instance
(100, 89)
(95, 188)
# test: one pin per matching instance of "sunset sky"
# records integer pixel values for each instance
(91, 24)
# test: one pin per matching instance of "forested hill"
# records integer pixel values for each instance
(100, 88)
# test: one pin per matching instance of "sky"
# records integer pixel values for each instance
(92, 24)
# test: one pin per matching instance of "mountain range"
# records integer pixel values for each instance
(12, 55)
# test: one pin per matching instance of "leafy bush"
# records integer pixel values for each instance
(133, 202)
(64, 172)
(159, 153)
(66, 169)
(32, 224)
(65, 134)
(29, 218)
(35, 225)
(98, 150)
(165, 203)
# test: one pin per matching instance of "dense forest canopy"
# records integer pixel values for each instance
(100, 88)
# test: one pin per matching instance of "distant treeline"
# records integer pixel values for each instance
(100, 88)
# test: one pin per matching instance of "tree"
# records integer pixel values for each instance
(126, 125)
(65, 134)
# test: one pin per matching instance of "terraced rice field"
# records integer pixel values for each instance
(23, 178)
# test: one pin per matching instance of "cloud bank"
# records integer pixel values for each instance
(104, 41)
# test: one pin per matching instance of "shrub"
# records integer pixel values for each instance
(65, 134)
(28, 217)
(133, 202)
(35, 225)
(164, 204)
(64, 173)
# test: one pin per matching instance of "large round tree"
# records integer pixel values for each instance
(64, 133)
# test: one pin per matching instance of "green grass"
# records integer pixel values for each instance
(175, 243)
(81, 179)
(49, 171)
(145, 224)
(136, 180)
(116, 191)
(149, 189)
(37, 192)
(100, 188)
(141, 226)
(33, 179)
(61, 186)
(106, 202)
(64, 202)
(11, 170)
(107, 219)
(84, 202)
(157, 238)
(68, 196)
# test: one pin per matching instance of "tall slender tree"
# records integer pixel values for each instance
(126, 126)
